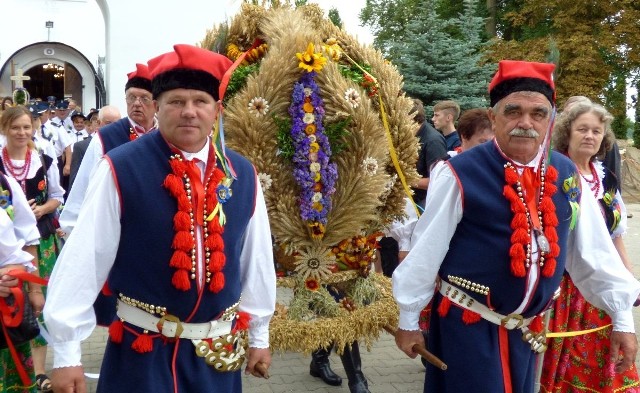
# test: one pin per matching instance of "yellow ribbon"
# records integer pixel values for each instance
(385, 123)
(576, 332)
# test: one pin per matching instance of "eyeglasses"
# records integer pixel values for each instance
(143, 99)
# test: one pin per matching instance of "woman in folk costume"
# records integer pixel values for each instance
(25, 231)
(36, 173)
(191, 265)
(304, 104)
(581, 361)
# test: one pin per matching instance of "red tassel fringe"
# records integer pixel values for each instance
(116, 331)
(180, 280)
(242, 321)
(549, 267)
(183, 241)
(443, 308)
(551, 175)
(520, 236)
(217, 261)
(142, 344)
(469, 317)
(180, 260)
(517, 267)
(181, 221)
(174, 184)
(519, 221)
(178, 167)
(217, 282)
(510, 176)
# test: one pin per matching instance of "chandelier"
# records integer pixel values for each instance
(58, 70)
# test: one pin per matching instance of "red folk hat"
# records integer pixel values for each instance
(188, 67)
(140, 78)
(513, 75)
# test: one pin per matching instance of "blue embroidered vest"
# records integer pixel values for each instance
(141, 270)
(115, 134)
(479, 249)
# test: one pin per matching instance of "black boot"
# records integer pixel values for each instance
(352, 366)
(321, 368)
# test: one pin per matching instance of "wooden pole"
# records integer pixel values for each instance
(428, 356)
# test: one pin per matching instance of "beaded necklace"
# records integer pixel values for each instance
(19, 173)
(594, 183)
(523, 222)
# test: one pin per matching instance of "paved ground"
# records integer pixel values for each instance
(386, 368)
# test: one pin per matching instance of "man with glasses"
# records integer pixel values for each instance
(140, 120)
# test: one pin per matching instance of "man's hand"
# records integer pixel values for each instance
(624, 347)
(406, 339)
(255, 356)
(68, 380)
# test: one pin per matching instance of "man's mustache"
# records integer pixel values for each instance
(525, 133)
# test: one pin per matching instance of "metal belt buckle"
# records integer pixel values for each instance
(508, 319)
(170, 318)
(537, 341)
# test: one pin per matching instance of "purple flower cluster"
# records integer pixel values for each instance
(311, 148)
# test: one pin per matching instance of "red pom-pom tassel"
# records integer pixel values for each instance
(516, 251)
(174, 184)
(183, 241)
(510, 176)
(551, 175)
(520, 236)
(536, 324)
(143, 343)
(217, 282)
(183, 203)
(242, 321)
(178, 167)
(180, 260)
(554, 250)
(547, 206)
(443, 308)
(550, 189)
(214, 242)
(181, 221)
(116, 331)
(469, 317)
(517, 267)
(217, 261)
(180, 280)
(549, 267)
(551, 234)
(510, 194)
(519, 221)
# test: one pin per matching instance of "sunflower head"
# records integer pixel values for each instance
(311, 61)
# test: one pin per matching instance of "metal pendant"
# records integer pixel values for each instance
(543, 243)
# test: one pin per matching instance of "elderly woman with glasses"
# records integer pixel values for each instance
(583, 132)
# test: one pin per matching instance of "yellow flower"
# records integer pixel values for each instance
(333, 49)
(311, 61)
(317, 206)
(316, 177)
(314, 147)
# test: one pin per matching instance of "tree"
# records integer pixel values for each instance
(334, 17)
(388, 20)
(636, 126)
(440, 58)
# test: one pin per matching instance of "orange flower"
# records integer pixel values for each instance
(41, 185)
(317, 206)
(310, 129)
(307, 107)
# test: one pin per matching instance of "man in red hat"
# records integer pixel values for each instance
(139, 121)
(190, 262)
(501, 224)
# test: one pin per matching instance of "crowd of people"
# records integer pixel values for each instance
(520, 219)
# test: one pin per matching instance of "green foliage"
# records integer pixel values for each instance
(334, 17)
(239, 79)
(615, 101)
(335, 132)
(285, 141)
(441, 58)
(388, 19)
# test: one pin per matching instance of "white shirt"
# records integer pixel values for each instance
(86, 259)
(94, 153)
(11, 248)
(24, 222)
(592, 260)
(401, 230)
(59, 136)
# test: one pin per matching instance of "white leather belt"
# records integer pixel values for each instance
(464, 300)
(170, 326)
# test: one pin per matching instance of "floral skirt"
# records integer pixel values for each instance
(48, 251)
(10, 381)
(581, 363)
